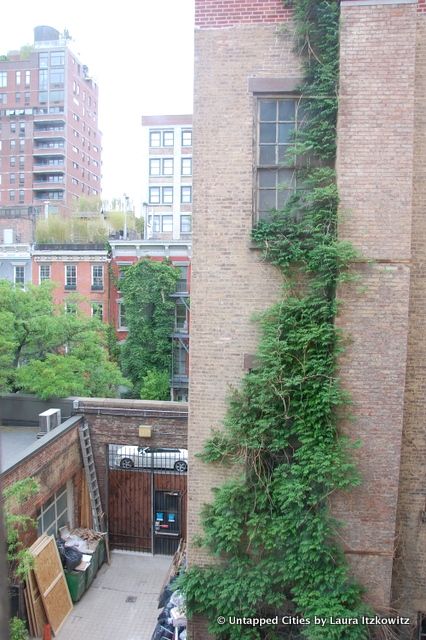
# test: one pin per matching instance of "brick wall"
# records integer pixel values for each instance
(52, 465)
(211, 14)
(409, 580)
(23, 229)
(375, 160)
(230, 282)
(119, 424)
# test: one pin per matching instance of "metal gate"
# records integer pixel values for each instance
(147, 495)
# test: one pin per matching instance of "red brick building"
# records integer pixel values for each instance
(127, 252)
(80, 273)
(243, 55)
(50, 140)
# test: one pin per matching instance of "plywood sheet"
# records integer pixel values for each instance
(51, 583)
(36, 604)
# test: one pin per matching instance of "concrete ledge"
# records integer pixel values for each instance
(143, 408)
(45, 441)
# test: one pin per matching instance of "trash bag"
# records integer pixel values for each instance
(61, 548)
(72, 558)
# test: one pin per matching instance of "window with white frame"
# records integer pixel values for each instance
(155, 138)
(186, 224)
(55, 512)
(154, 195)
(70, 276)
(19, 275)
(168, 138)
(186, 137)
(155, 166)
(276, 175)
(167, 195)
(44, 272)
(97, 277)
(3, 79)
(97, 310)
(167, 166)
(122, 316)
(186, 195)
(186, 167)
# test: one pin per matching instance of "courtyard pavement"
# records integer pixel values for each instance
(121, 603)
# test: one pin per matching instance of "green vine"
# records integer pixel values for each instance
(271, 526)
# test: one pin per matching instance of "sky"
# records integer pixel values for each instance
(141, 56)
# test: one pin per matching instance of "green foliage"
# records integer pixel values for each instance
(74, 229)
(271, 527)
(156, 385)
(15, 496)
(49, 352)
(146, 289)
(18, 630)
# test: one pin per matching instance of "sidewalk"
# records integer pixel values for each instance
(121, 603)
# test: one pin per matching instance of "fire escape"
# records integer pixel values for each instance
(180, 339)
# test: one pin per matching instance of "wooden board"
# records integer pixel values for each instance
(51, 582)
(30, 613)
(36, 604)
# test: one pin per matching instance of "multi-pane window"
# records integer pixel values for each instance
(155, 167)
(186, 167)
(12, 178)
(97, 277)
(17, 78)
(182, 283)
(161, 166)
(57, 76)
(186, 137)
(13, 127)
(121, 316)
(168, 138)
(276, 176)
(27, 79)
(22, 178)
(181, 318)
(186, 224)
(12, 161)
(167, 195)
(21, 196)
(3, 98)
(161, 195)
(3, 79)
(155, 138)
(167, 166)
(162, 224)
(12, 195)
(70, 276)
(44, 272)
(54, 513)
(43, 60)
(19, 276)
(42, 79)
(57, 58)
(186, 195)
(98, 310)
(22, 128)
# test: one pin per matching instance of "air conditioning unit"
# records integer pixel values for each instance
(49, 419)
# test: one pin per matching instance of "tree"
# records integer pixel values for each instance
(49, 352)
(146, 289)
(156, 385)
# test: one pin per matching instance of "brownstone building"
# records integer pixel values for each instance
(244, 56)
(49, 136)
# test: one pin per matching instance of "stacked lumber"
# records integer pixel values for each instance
(46, 594)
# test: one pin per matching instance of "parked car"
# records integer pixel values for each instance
(152, 457)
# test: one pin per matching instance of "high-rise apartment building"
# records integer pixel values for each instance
(168, 211)
(49, 136)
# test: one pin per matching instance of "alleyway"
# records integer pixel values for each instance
(122, 601)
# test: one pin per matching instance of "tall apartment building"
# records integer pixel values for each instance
(168, 210)
(244, 56)
(49, 135)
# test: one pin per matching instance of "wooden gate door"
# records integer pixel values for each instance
(130, 509)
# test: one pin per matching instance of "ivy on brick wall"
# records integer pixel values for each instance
(270, 528)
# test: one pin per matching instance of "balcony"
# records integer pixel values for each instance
(49, 151)
(48, 168)
(46, 184)
(41, 134)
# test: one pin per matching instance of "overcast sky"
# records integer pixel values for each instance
(140, 54)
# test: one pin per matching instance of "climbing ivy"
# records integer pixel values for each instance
(270, 526)
(146, 289)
